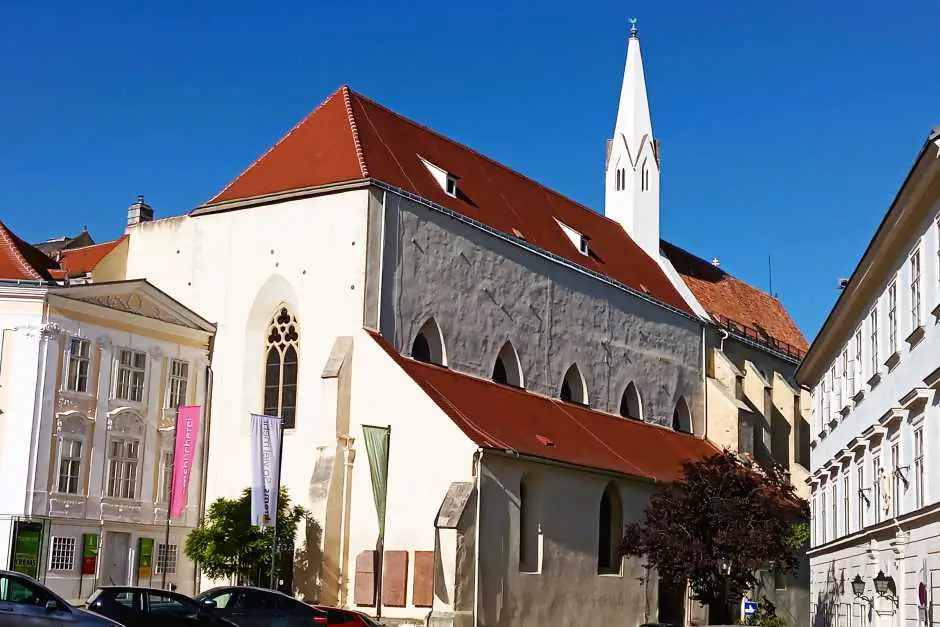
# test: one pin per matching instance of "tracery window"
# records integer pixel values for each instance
(280, 371)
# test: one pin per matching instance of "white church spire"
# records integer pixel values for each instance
(632, 180)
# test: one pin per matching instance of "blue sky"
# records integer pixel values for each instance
(786, 128)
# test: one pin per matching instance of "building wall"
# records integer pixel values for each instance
(483, 291)
(235, 269)
(566, 504)
(427, 453)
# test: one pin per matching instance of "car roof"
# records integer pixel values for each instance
(141, 589)
(254, 588)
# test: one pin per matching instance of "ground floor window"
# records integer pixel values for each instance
(62, 555)
(166, 559)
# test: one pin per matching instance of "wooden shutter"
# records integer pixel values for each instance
(364, 593)
(395, 578)
(423, 593)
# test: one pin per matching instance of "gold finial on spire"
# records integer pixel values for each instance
(634, 32)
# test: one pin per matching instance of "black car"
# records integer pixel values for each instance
(256, 607)
(151, 607)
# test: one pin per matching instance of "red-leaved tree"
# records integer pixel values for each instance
(724, 519)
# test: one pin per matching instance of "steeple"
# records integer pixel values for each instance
(632, 180)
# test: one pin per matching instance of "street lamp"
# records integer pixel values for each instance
(884, 587)
(858, 588)
(725, 566)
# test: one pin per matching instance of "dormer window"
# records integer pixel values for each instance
(578, 240)
(445, 179)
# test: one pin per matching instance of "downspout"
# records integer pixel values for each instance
(207, 424)
(476, 542)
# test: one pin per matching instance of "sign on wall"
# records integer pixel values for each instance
(89, 553)
(27, 540)
(145, 559)
(187, 433)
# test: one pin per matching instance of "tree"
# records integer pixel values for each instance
(716, 526)
(227, 546)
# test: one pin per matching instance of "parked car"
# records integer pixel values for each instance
(347, 618)
(150, 607)
(25, 601)
(246, 606)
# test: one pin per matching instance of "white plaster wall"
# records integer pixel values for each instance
(483, 290)
(18, 414)
(568, 588)
(427, 452)
(234, 269)
(915, 363)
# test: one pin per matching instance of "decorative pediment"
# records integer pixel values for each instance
(126, 421)
(72, 423)
(136, 304)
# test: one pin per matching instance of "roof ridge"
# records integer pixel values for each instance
(332, 95)
(722, 270)
(15, 255)
(355, 131)
(480, 155)
(107, 243)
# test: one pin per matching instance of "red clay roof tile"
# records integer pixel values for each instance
(21, 261)
(733, 301)
(82, 260)
(350, 137)
(502, 417)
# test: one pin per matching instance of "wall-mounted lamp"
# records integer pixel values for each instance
(884, 586)
(858, 588)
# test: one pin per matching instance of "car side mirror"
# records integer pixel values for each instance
(209, 604)
(51, 605)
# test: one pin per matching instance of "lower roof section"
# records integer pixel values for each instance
(502, 417)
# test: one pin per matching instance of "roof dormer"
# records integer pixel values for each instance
(578, 239)
(445, 179)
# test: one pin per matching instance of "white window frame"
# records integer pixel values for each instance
(847, 514)
(876, 474)
(893, 317)
(62, 552)
(859, 364)
(124, 389)
(61, 459)
(917, 318)
(823, 532)
(118, 465)
(920, 485)
(82, 359)
(177, 386)
(895, 450)
(873, 328)
(835, 507)
(167, 556)
(860, 478)
(165, 477)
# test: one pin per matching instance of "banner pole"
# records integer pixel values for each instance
(277, 500)
(169, 502)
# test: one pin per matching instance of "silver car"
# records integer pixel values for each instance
(24, 601)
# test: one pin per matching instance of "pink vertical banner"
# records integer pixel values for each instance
(188, 418)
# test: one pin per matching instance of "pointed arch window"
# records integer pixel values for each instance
(682, 417)
(573, 388)
(630, 404)
(507, 369)
(280, 368)
(428, 345)
(609, 528)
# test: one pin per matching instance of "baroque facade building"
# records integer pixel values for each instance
(90, 376)
(874, 374)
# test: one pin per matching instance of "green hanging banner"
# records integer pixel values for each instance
(377, 441)
(27, 540)
(89, 553)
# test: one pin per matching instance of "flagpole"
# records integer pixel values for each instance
(169, 502)
(277, 499)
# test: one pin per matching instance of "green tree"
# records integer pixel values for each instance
(227, 546)
(718, 524)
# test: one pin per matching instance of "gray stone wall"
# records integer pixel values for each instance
(483, 291)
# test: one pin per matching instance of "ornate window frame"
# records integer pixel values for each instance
(282, 340)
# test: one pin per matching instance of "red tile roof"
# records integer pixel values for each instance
(502, 417)
(77, 261)
(350, 137)
(21, 261)
(735, 303)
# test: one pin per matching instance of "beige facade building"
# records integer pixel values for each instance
(90, 378)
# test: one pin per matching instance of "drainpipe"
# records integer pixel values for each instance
(724, 336)
(478, 463)
(207, 424)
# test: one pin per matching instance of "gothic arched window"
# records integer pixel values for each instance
(630, 404)
(280, 367)
(609, 531)
(682, 417)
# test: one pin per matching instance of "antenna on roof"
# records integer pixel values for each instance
(770, 276)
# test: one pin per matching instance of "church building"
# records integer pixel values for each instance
(542, 367)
